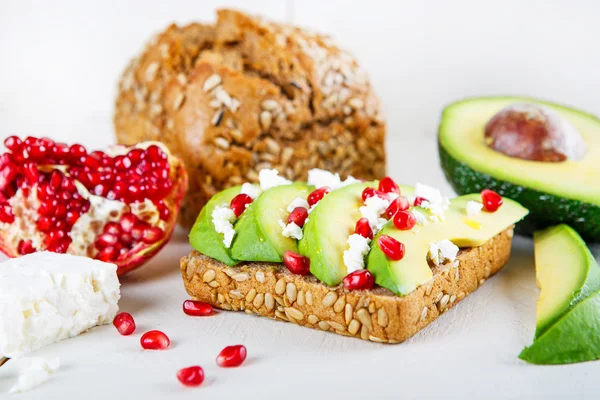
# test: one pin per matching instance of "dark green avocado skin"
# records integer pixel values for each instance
(544, 209)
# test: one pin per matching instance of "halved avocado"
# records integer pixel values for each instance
(404, 276)
(554, 192)
(259, 236)
(204, 237)
(566, 273)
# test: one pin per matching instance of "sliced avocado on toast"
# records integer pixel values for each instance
(259, 234)
(568, 319)
(554, 192)
(404, 276)
(204, 237)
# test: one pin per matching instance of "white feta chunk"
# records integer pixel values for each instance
(46, 297)
(223, 218)
(443, 251)
(436, 203)
(354, 256)
(321, 178)
(297, 202)
(473, 208)
(33, 372)
(269, 178)
(372, 210)
(290, 230)
(421, 219)
(251, 190)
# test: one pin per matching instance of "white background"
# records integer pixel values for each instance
(59, 64)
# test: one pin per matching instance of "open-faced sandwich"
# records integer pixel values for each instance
(373, 260)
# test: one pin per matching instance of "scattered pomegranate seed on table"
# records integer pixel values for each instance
(391, 247)
(197, 308)
(404, 220)
(418, 201)
(317, 195)
(491, 200)
(296, 263)
(363, 228)
(387, 185)
(298, 216)
(231, 356)
(399, 204)
(124, 323)
(359, 280)
(191, 376)
(155, 340)
(239, 203)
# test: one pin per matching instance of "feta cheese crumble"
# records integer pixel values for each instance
(33, 372)
(321, 178)
(419, 217)
(223, 218)
(46, 297)
(290, 230)
(269, 178)
(354, 256)
(251, 190)
(442, 251)
(435, 202)
(473, 208)
(297, 202)
(372, 210)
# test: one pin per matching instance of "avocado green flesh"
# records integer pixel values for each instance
(566, 273)
(404, 276)
(327, 230)
(204, 237)
(259, 236)
(562, 192)
(573, 338)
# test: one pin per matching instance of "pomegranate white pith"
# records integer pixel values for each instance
(118, 206)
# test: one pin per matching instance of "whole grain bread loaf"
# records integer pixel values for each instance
(378, 315)
(246, 94)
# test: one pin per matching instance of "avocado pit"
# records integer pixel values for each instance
(535, 133)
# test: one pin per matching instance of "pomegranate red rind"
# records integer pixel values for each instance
(118, 206)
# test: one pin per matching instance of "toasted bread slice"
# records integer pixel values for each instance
(270, 290)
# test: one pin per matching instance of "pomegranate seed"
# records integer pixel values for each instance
(418, 201)
(232, 356)
(107, 254)
(191, 376)
(136, 155)
(122, 163)
(31, 173)
(317, 195)
(296, 263)
(298, 216)
(359, 280)
(71, 217)
(68, 185)
(368, 192)
(491, 200)
(113, 228)
(154, 153)
(37, 152)
(239, 203)
(13, 143)
(25, 247)
(128, 222)
(391, 247)
(60, 211)
(60, 151)
(387, 185)
(106, 240)
(399, 204)
(6, 214)
(363, 228)
(29, 140)
(60, 246)
(124, 323)
(137, 232)
(8, 175)
(44, 224)
(152, 235)
(163, 210)
(55, 180)
(197, 308)
(404, 220)
(155, 340)
(76, 151)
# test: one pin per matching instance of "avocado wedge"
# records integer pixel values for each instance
(568, 320)
(404, 276)
(554, 192)
(204, 237)
(566, 273)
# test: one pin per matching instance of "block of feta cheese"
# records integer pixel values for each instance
(46, 297)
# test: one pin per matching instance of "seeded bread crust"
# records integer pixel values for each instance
(378, 315)
(245, 94)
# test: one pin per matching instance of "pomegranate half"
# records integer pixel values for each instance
(118, 206)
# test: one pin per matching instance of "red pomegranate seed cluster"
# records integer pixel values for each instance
(399, 204)
(491, 200)
(296, 263)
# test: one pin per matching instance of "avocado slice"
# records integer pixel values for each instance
(568, 320)
(204, 237)
(566, 273)
(259, 236)
(555, 192)
(404, 276)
